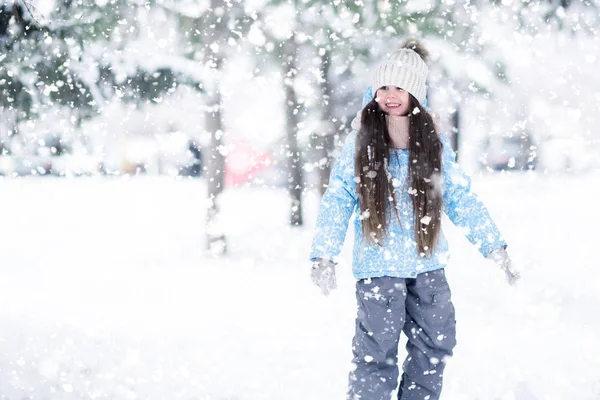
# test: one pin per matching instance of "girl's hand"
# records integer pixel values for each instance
(323, 275)
(501, 258)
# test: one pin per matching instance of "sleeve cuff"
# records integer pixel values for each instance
(486, 249)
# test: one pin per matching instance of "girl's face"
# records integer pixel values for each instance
(393, 100)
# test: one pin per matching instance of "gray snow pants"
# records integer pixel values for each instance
(421, 307)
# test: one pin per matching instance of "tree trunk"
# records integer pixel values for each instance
(325, 142)
(8, 136)
(294, 164)
(214, 29)
(455, 140)
(215, 235)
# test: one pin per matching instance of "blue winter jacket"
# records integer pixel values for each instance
(398, 256)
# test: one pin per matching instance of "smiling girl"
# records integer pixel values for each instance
(397, 175)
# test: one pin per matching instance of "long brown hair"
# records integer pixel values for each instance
(374, 183)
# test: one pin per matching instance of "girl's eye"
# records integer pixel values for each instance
(397, 88)
(384, 88)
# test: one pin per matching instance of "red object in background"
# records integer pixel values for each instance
(243, 163)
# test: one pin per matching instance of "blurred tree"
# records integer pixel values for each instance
(277, 21)
(336, 48)
(210, 37)
(304, 43)
(63, 63)
(22, 42)
(288, 54)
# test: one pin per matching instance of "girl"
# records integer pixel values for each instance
(397, 174)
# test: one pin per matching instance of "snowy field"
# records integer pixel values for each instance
(107, 293)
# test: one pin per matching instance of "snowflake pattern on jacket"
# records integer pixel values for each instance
(398, 256)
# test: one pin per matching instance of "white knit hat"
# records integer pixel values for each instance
(404, 69)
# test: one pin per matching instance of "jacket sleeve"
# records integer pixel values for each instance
(463, 207)
(337, 206)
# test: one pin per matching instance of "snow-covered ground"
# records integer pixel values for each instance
(107, 293)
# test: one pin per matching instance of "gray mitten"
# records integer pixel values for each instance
(323, 275)
(500, 257)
